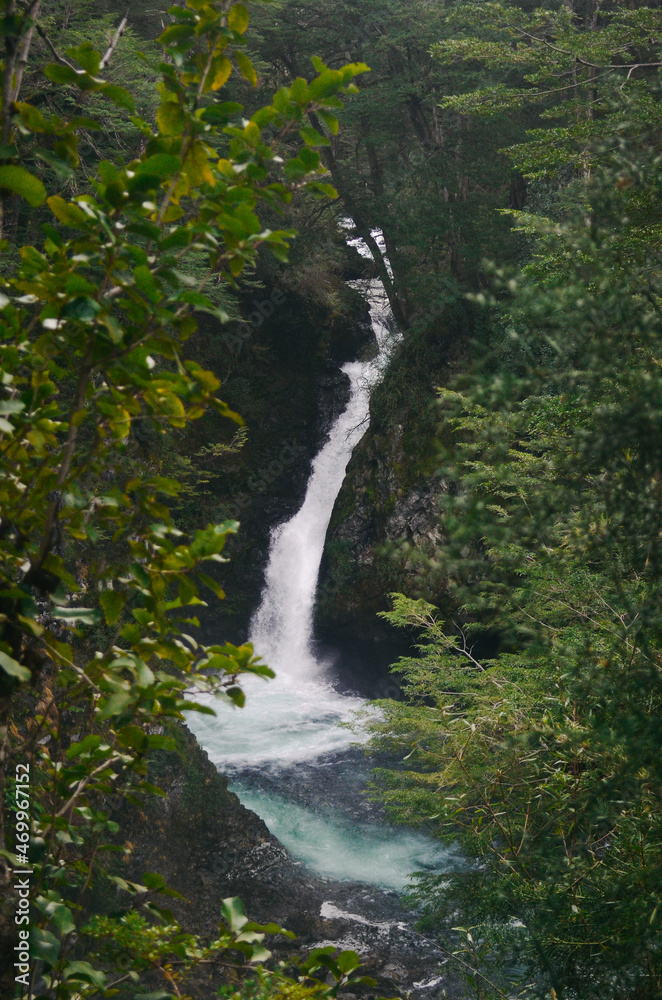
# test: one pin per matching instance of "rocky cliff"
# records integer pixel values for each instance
(387, 517)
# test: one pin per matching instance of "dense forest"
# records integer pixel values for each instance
(173, 189)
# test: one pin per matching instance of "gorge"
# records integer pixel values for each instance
(296, 719)
(422, 563)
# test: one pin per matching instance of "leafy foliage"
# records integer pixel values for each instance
(530, 732)
(428, 179)
(575, 64)
(98, 585)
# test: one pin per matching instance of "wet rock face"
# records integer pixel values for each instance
(208, 846)
(378, 509)
(287, 383)
(392, 489)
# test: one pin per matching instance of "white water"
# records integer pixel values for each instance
(282, 627)
(297, 716)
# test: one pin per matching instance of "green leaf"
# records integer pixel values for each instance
(77, 284)
(59, 73)
(322, 190)
(86, 56)
(270, 928)
(119, 96)
(146, 786)
(212, 584)
(145, 283)
(133, 737)
(211, 540)
(32, 626)
(309, 158)
(171, 119)
(62, 917)
(238, 18)
(177, 35)
(81, 308)
(329, 120)
(161, 743)
(32, 118)
(313, 138)
(144, 676)
(115, 331)
(348, 960)
(220, 72)
(259, 953)
(236, 695)
(115, 705)
(299, 91)
(232, 911)
(112, 602)
(157, 883)
(86, 973)
(9, 406)
(44, 946)
(90, 742)
(87, 616)
(14, 668)
(67, 213)
(246, 68)
(132, 887)
(23, 183)
(161, 165)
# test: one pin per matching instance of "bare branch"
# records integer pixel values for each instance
(584, 62)
(23, 52)
(54, 52)
(466, 649)
(80, 787)
(113, 45)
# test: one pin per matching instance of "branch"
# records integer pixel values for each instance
(31, 13)
(582, 62)
(54, 52)
(473, 970)
(63, 472)
(85, 781)
(467, 650)
(113, 45)
(562, 90)
(8, 74)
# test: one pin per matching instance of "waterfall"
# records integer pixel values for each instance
(295, 717)
(290, 726)
(281, 630)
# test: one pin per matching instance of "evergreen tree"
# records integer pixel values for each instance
(531, 730)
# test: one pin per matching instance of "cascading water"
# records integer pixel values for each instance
(282, 627)
(295, 718)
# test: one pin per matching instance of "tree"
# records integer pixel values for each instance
(427, 178)
(574, 61)
(99, 585)
(531, 729)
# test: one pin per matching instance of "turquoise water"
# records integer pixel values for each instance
(347, 850)
(297, 718)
